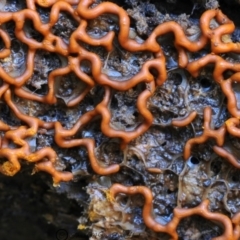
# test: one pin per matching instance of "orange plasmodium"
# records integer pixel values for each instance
(82, 11)
(178, 213)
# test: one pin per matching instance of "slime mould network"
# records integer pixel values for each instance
(213, 39)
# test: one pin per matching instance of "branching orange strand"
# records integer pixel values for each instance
(218, 135)
(179, 213)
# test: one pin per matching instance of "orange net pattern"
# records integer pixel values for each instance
(82, 12)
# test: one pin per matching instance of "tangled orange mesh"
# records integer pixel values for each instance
(45, 159)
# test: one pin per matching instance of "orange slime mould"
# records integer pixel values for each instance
(178, 213)
(152, 74)
(218, 134)
(184, 121)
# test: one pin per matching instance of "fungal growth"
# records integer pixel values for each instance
(147, 118)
